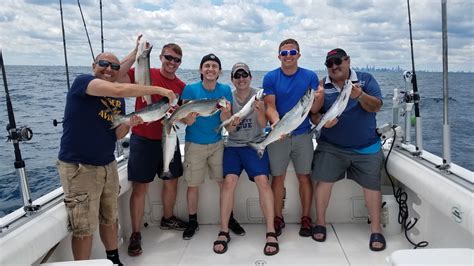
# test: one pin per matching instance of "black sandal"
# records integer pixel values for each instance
(222, 242)
(271, 244)
(318, 229)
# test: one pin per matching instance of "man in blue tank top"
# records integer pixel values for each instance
(349, 144)
(87, 166)
(284, 87)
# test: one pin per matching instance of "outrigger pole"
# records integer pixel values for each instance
(416, 96)
(446, 127)
(17, 135)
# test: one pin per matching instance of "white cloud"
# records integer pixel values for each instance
(372, 32)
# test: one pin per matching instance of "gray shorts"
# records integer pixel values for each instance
(299, 148)
(330, 163)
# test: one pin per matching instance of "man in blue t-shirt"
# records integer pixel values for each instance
(204, 146)
(284, 87)
(87, 166)
(349, 144)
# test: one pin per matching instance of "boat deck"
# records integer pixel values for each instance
(346, 244)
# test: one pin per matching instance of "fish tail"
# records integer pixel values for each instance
(167, 175)
(260, 150)
(117, 120)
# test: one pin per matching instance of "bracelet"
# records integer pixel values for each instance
(360, 96)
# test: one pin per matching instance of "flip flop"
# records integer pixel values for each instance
(318, 229)
(377, 237)
(222, 242)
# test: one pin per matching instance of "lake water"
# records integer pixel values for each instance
(38, 95)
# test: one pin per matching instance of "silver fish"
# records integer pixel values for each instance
(148, 114)
(289, 122)
(169, 144)
(244, 112)
(337, 108)
(142, 67)
(204, 107)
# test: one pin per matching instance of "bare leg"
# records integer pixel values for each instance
(266, 203)
(137, 204)
(108, 235)
(81, 247)
(227, 189)
(323, 194)
(306, 193)
(373, 201)
(278, 188)
(192, 198)
(168, 196)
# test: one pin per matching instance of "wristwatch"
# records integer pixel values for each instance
(362, 93)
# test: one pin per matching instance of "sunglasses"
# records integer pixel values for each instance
(172, 58)
(241, 75)
(106, 64)
(338, 61)
(288, 52)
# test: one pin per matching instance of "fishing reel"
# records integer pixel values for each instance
(409, 96)
(19, 134)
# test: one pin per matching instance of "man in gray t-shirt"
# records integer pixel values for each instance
(246, 125)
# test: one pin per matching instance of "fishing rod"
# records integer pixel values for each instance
(101, 28)
(55, 121)
(415, 96)
(16, 136)
(64, 43)
(87, 33)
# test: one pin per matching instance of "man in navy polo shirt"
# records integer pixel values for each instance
(349, 144)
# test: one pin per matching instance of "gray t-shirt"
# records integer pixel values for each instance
(248, 130)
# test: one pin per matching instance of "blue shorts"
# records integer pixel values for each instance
(245, 158)
(146, 160)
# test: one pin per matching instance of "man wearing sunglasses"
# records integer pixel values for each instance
(86, 165)
(239, 156)
(349, 144)
(284, 87)
(146, 152)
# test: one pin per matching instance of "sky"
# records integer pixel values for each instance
(373, 32)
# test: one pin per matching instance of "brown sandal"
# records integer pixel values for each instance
(222, 242)
(271, 244)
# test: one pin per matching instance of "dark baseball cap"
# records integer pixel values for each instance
(336, 53)
(210, 57)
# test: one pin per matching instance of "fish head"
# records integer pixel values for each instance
(222, 102)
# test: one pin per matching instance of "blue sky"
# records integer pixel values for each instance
(373, 32)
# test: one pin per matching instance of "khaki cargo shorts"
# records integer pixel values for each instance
(90, 195)
(200, 159)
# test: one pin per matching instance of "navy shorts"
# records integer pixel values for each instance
(146, 160)
(245, 158)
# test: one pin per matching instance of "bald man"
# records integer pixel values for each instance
(87, 166)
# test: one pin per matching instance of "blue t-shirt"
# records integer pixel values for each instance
(87, 136)
(356, 128)
(288, 90)
(203, 130)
